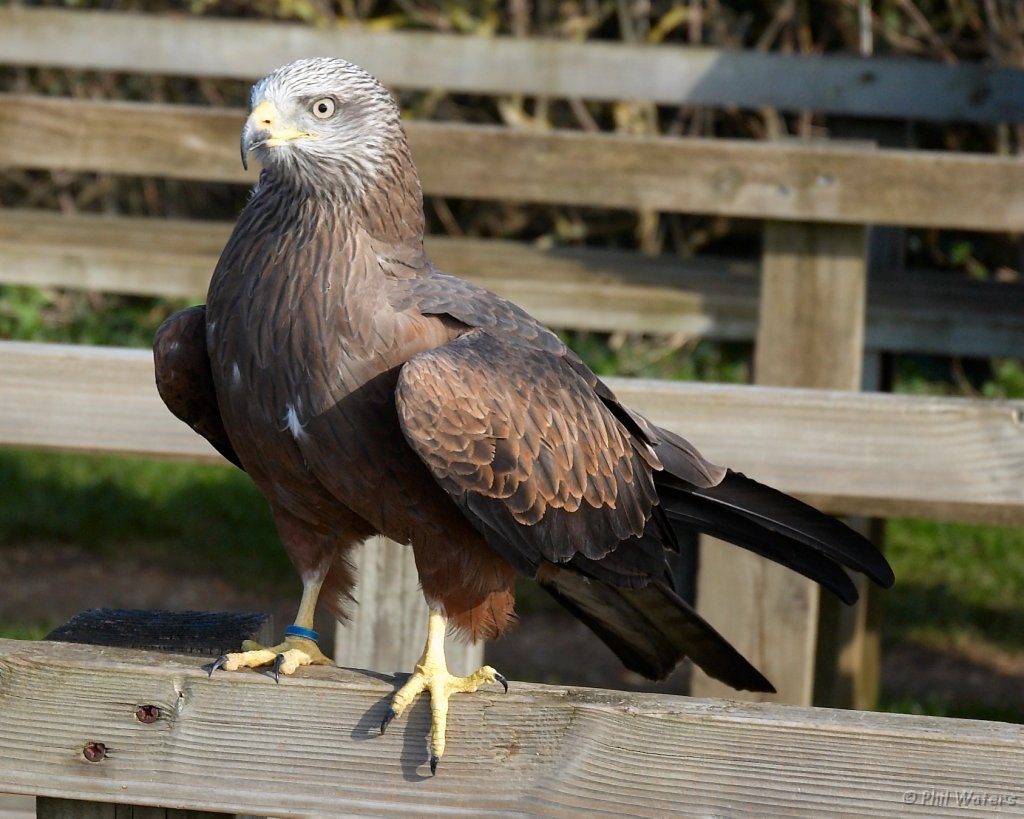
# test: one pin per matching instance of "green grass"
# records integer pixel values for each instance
(187, 517)
(24, 632)
(958, 588)
(701, 360)
(49, 314)
(967, 710)
(956, 584)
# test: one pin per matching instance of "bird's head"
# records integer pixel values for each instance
(323, 124)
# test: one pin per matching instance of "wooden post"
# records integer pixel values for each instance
(810, 334)
(849, 652)
(389, 625)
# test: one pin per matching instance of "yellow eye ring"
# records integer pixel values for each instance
(324, 108)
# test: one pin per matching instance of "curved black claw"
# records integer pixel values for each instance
(278, 662)
(384, 723)
(502, 679)
(218, 663)
(433, 764)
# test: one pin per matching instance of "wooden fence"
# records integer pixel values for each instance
(239, 744)
(879, 87)
(882, 455)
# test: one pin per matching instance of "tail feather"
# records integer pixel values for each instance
(779, 527)
(693, 512)
(652, 629)
(647, 624)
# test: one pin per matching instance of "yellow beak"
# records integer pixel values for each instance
(266, 128)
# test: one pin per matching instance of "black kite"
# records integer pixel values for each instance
(365, 391)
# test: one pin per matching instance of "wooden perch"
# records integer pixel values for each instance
(238, 742)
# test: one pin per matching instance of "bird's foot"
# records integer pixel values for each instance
(286, 657)
(432, 675)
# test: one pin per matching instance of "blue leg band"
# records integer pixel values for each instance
(299, 631)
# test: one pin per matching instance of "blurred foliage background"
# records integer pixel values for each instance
(960, 588)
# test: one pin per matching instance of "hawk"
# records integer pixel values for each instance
(365, 391)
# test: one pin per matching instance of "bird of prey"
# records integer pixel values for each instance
(365, 391)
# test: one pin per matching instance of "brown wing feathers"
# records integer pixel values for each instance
(569, 485)
(530, 453)
(184, 380)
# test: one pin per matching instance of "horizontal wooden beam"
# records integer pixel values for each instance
(569, 287)
(884, 455)
(667, 75)
(90, 399)
(762, 180)
(871, 454)
(565, 287)
(239, 743)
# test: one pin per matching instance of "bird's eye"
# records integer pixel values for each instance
(324, 109)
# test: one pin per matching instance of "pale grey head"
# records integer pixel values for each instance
(325, 126)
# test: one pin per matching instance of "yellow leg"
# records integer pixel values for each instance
(432, 675)
(295, 651)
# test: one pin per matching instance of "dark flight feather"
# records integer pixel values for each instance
(651, 628)
(793, 528)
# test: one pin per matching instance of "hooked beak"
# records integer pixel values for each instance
(265, 128)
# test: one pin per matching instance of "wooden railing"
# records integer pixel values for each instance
(792, 181)
(876, 87)
(958, 459)
(583, 288)
(311, 746)
(948, 459)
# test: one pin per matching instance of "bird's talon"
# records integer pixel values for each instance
(502, 679)
(384, 723)
(433, 764)
(278, 662)
(218, 663)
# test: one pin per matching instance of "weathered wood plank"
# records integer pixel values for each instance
(868, 454)
(77, 398)
(565, 287)
(207, 634)
(238, 742)
(581, 288)
(784, 181)
(668, 75)
(942, 458)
